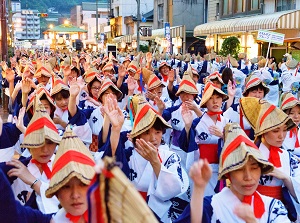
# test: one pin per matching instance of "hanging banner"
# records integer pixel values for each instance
(168, 36)
(272, 37)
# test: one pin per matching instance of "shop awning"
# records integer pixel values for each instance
(126, 39)
(66, 28)
(279, 20)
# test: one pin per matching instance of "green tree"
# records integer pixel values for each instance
(232, 46)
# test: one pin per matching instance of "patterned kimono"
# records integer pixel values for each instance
(291, 142)
(220, 208)
(171, 182)
(23, 191)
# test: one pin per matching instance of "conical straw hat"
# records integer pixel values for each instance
(145, 118)
(43, 69)
(263, 116)
(208, 91)
(58, 85)
(154, 82)
(52, 62)
(40, 128)
(106, 84)
(108, 66)
(164, 64)
(40, 91)
(253, 81)
(215, 75)
(113, 198)
(73, 159)
(29, 66)
(133, 66)
(91, 74)
(187, 84)
(66, 62)
(133, 103)
(289, 101)
(237, 150)
(291, 63)
(146, 74)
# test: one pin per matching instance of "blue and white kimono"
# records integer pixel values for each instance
(220, 208)
(25, 195)
(171, 182)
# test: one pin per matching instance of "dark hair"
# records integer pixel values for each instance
(227, 75)
(113, 90)
(255, 88)
(44, 97)
(61, 94)
(89, 87)
(159, 126)
(76, 70)
(288, 111)
(218, 93)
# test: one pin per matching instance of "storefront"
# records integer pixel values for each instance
(246, 28)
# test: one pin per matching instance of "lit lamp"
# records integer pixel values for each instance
(209, 42)
(178, 43)
(45, 36)
(164, 43)
(134, 44)
(64, 37)
(123, 45)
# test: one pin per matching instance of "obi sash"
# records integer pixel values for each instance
(209, 152)
(271, 191)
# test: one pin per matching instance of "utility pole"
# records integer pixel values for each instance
(138, 24)
(3, 30)
(97, 21)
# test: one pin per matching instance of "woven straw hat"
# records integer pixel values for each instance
(234, 62)
(58, 85)
(73, 159)
(40, 91)
(40, 128)
(187, 84)
(43, 70)
(242, 55)
(237, 150)
(288, 101)
(292, 63)
(154, 82)
(208, 91)
(215, 75)
(263, 116)
(146, 74)
(29, 66)
(133, 66)
(108, 66)
(52, 62)
(187, 58)
(195, 72)
(106, 83)
(254, 60)
(145, 118)
(253, 81)
(67, 61)
(164, 64)
(262, 62)
(127, 58)
(91, 74)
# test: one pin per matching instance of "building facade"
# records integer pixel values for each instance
(244, 18)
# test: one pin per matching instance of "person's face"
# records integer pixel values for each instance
(43, 80)
(276, 136)
(157, 91)
(27, 74)
(61, 102)
(195, 78)
(72, 197)
(186, 97)
(257, 93)
(217, 83)
(152, 135)
(130, 73)
(164, 70)
(244, 181)
(106, 93)
(126, 63)
(43, 154)
(108, 72)
(214, 103)
(95, 89)
(295, 114)
(47, 105)
(73, 73)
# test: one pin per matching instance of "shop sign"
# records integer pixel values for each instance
(271, 37)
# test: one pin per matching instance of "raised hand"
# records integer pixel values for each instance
(150, 95)
(191, 105)
(171, 76)
(200, 173)
(245, 212)
(20, 120)
(3, 65)
(147, 150)
(149, 57)
(214, 130)
(20, 171)
(122, 71)
(67, 71)
(26, 86)
(131, 84)
(74, 88)
(187, 115)
(113, 112)
(10, 75)
(231, 89)
(160, 104)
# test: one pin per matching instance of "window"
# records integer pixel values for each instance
(227, 7)
(239, 6)
(255, 4)
(282, 5)
(160, 13)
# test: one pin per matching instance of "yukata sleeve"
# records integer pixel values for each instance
(95, 121)
(278, 212)
(46, 205)
(120, 154)
(81, 127)
(188, 144)
(295, 178)
(170, 181)
(167, 113)
(9, 137)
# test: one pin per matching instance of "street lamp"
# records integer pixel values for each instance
(123, 45)
(209, 42)
(178, 43)
(51, 26)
